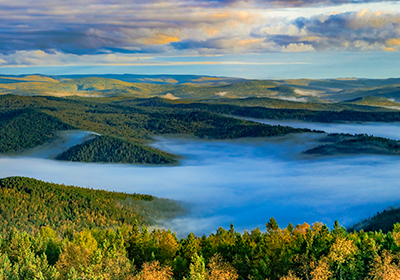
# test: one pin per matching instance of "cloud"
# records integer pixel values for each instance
(350, 31)
(91, 30)
(41, 58)
(160, 39)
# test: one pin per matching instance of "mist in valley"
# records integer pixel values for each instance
(379, 129)
(244, 181)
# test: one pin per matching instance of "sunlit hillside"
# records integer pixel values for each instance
(301, 94)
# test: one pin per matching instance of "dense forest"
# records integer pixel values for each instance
(28, 204)
(109, 149)
(30, 121)
(51, 231)
(128, 125)
(27, 128)
(383, 221)
(131, 252)
(359, 144)
(258, 112)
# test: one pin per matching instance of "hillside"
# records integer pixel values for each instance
(275, 103)
(27, 128)
(354, 113)
(381, 221)
(109, 149)
(374, 101)
(126, 119)
(27, 204)
(359, 144)
(306, 92)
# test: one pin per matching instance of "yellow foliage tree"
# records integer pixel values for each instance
(290, 276)
(77, 254)
(342, 250)
(321, 272)
(220, 270)
(153, 271)
(383, 268)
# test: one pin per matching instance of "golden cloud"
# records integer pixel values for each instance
(377, 19)
(160, 39)
(393, 42)
(244, 43)
(210, 30)
(387, 49)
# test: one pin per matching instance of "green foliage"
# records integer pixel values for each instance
(126, 125)
(27, 128)
(384, 221)
(27, 204)
(300, 252)
(359, 144)
(108, 149)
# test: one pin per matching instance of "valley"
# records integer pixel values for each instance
(175, 138)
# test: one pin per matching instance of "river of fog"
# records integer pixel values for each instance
(387, 130)
(244, 181)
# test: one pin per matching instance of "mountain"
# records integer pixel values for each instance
(328, 91)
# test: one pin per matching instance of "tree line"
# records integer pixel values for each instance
(293, 253)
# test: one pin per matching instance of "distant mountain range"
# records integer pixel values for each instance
(370, 92)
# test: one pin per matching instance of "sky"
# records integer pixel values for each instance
(250, 39)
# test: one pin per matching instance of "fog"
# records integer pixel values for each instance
(64, 141)
(387, 130)
(244, 181)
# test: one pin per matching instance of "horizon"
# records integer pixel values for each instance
(272, 39)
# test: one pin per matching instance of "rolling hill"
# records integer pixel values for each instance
(329, 91)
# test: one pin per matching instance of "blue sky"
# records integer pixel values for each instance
(251, 39)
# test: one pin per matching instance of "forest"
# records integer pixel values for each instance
(28, 204)
(109, 149)
(128, 125)
(95, 234)
(133, 252)
(30, 121)
(358, 144)
(52, 231)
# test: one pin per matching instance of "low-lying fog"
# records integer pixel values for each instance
(387, 130)
(243, 181)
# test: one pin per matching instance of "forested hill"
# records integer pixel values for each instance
(318, 114)
(381, 221)
(30, 121)
(359, 144)
(27, 204)
(26, 128)
(109, 149)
